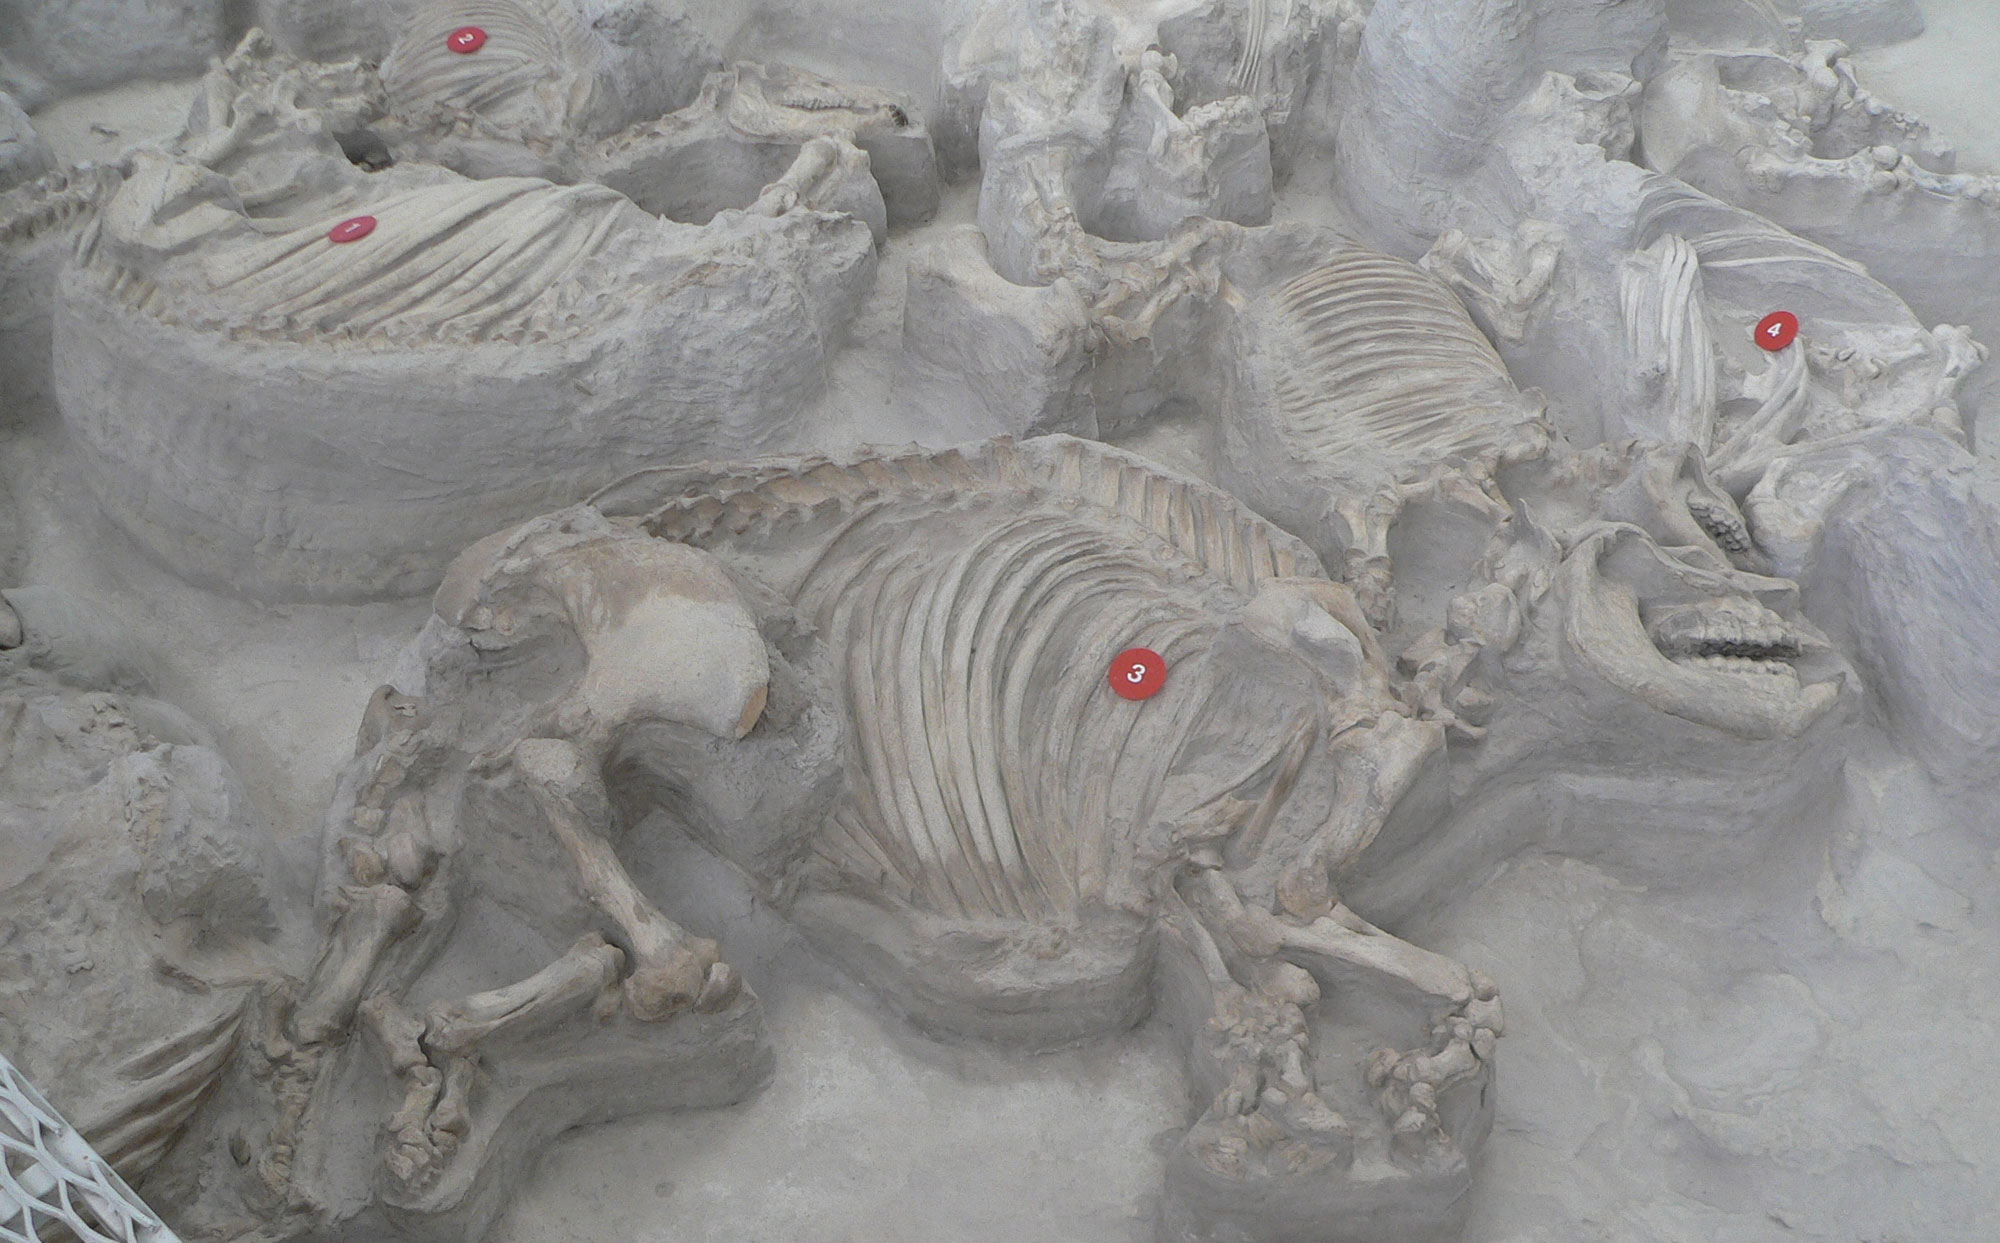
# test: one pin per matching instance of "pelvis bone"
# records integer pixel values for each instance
(627, 600)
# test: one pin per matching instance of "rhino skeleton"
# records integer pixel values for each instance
(1366, 378)
(945, 620)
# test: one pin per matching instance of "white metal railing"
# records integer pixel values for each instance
(53, 1185)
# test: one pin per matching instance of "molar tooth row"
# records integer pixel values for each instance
(1701, 630)
(1722, 527)
(1737, 664)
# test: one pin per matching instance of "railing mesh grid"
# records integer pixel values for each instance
(54, 1188)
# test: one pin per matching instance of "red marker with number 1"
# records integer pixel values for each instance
(353, 229)
(1138, 673)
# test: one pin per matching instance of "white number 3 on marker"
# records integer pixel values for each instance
(1136, 673)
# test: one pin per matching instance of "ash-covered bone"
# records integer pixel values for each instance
(927, 630)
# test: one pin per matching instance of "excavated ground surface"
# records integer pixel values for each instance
(1834, 1103)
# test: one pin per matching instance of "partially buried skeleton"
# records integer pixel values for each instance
(504, 299)
(142, 911)
(1361, 408)
(878, 686)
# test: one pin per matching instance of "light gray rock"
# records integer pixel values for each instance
(1519, 604)
(1888, 531)
(1862, 24)
(137, 887)
(81, 45)
(23, 154)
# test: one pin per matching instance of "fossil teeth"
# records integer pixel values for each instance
(1737, 664)
(1739, 634)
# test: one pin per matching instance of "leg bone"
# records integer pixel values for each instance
(1464, 1006)
(437, 1057)
(1268, 1113)
(672, 968)
(566, 986)
(1377, 768)
(374, 919)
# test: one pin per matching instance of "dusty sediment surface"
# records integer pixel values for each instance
(1807, 1056)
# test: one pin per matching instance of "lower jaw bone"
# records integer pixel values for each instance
(1603, 629)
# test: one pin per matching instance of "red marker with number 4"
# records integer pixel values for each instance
(1777, 330)
(1138, 673)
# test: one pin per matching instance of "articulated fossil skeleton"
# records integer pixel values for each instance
(1701, 263)
(543, 95)
(502, 260)
(538, 76)
(1367, 380)
(877, 686)
(625, 332)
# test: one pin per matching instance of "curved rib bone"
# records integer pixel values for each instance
(1666, 329)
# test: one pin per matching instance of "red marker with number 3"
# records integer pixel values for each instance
(1777, 330)
(1138, 673)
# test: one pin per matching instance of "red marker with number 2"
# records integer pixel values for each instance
(1138, 673)
(465, 40)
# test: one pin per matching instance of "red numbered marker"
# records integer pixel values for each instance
(1777, 330)
(466, 40)
(1138, 673)
(351, 230)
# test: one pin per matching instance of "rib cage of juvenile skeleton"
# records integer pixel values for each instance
(1374, 357)
(1357, 384)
